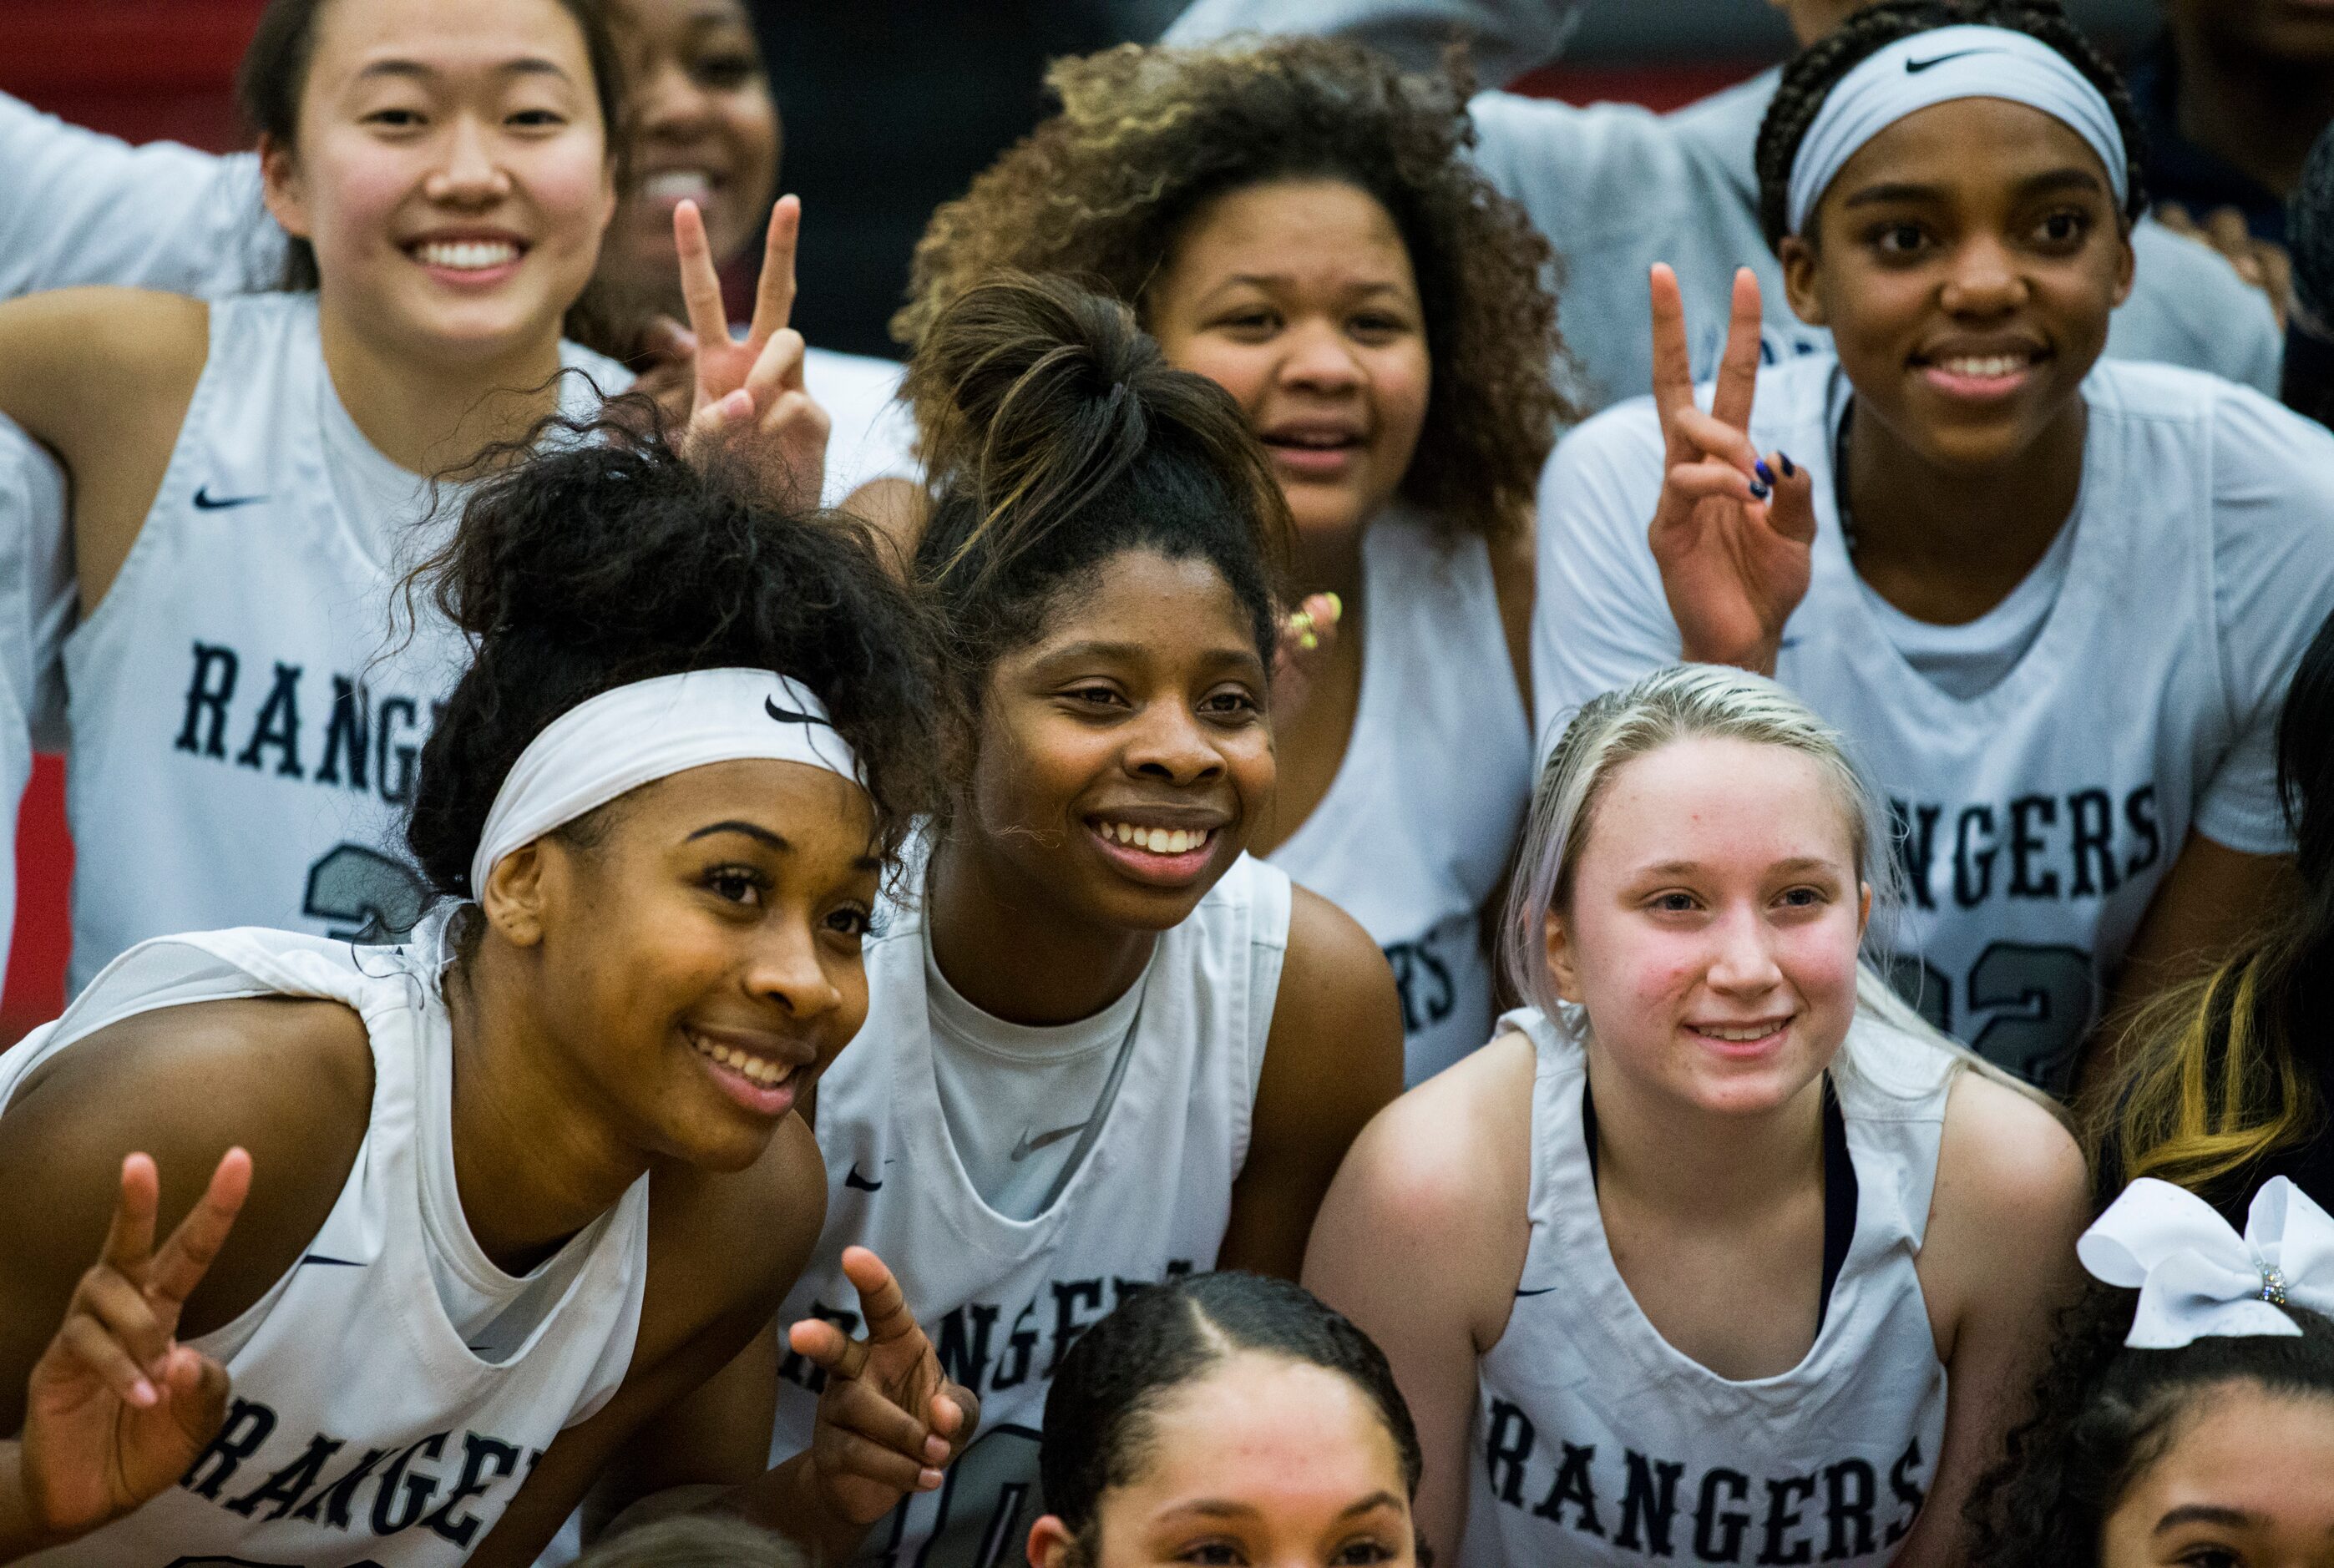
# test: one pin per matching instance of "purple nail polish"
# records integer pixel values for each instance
(1765, 474)
(1784, 459)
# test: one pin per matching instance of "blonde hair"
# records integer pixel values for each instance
(1681, 702)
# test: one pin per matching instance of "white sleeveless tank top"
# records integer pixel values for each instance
(1596, 1442)
(362, 1428)
(1416, 828)
(1003, 1298)
(245, 724)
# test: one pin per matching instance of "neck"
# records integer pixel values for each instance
(1709, 1170)
(1946, 545)
(1330, 562)
(1012, 951)
(2257, 112)
(538, 1154)
(432, 416)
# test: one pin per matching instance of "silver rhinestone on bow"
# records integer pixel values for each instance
(2272, 1289)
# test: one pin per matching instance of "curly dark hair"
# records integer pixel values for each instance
(1148, 135)
(608, 559)
(2105, 1412)
(1816, 70)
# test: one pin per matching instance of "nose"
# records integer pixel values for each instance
(1169, 745)
(1985, 280)
(1320, 358)
(1743, 963)
(469, 175)
(670, 103)
(787, 967)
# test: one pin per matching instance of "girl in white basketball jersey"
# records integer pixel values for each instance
(1716, 1252)
(1103, 1045)
(248, 474)
(487, 1210)
(2054, 599)
(1300, 223)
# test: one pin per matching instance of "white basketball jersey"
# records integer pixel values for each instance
(2038, 817)
(1003, 1298)
(362, 1429)
(246, 724)
(1596, 1442)
(1414, 832)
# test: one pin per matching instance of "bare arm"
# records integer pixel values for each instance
(1997, 1263)
(1441, 1180)
(1333, 1060)
(1505, 38)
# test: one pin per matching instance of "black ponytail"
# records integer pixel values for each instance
(1113, 1379)
(1815, 71)
(1057, 436)
(607, 560)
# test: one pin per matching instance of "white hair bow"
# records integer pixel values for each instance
(2197, 1277)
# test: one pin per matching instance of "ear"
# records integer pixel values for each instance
(513, 896)
(1051, 1545)
(1863, 911)
(2126, 263)
(280, 188)
(1800, 267)
(1563, 962)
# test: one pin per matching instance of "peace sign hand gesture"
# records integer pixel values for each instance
(889, 1419)
(749, 394)
(116, 1407)
(1732, 531)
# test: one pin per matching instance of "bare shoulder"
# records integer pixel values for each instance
(75, 347)
(288, 1079)
(1336, 1019)
(2003, 1150)
(1452, 1156)
(1515, 578)
(1327, 947)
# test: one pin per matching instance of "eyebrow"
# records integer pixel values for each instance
(2069, 177)
(1226, 1508)
(760, 835)
(2205, 1514)
(1273, 280)
(525, 65)
(1796, 863)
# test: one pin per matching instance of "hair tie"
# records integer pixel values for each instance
(1940, 66)
(637, 734)
(2198, 1278)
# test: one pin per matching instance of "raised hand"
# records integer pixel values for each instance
(1307, 640)
(749, 393)
(1732, 531)
(116, 1409)
(889, 1419)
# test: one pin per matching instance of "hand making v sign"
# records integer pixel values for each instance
(754, 384)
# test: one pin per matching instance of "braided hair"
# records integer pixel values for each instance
(1810, 78)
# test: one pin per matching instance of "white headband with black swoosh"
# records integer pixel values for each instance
(1939, 66)
(637, 734)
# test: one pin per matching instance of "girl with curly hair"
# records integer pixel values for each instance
(2055, 599)
(1299, 222)
(2187, 1415)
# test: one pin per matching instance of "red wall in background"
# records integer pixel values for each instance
(164, 69)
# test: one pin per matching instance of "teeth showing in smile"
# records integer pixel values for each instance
(466, 255)
(1988, 367)
(764, 1072)
(678, 185)
(1158, 841)
(1741, 1035)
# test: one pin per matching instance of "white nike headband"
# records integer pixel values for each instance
(637, 734)
(1939, 66)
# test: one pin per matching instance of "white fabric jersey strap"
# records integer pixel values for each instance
(638, 733)
(2196, 1277)
(1939, 66)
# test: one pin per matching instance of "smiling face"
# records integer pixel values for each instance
(698, 953)
(1299, 298)
(1966, 260)
(452, 171)
(1263, 1460)
(1712, 924)
(705, 129)
(1124, 753)
(2245, 1483)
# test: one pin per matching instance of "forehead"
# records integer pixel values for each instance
(1719, 803)
(671, 17)
(1291, 227)
(1262, 1428)
(448, 36)
(1968, 147)
(1170, 606)
(2248, 1449)
(816, 810)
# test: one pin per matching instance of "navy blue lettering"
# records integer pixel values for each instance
(391, 1513)
(1020, 1345)
(2026, 846)
(2139, 815)
(277, 725)
(2092, 814)
(207, 699)
(1067, 1324)
(1846, 1505)
(479, 1453)
(1650, 1501)
(335, 1502)
(395, 784)
(1774, 1549)
(1507, 1450)
(348, 733)
(289, 1484)
(1902, 1488)
(1916, 846)
(248, 1422)
(1718, 1536)
(1574, 1484)
(964, 1354)
(800, 1370)
(1973, 868)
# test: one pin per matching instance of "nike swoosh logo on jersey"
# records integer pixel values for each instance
(1029, 1146)
(207, 501)
(1542, 1290)
(788, 715)
(1914, 67)
(858, 1183)
(336, 1262)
